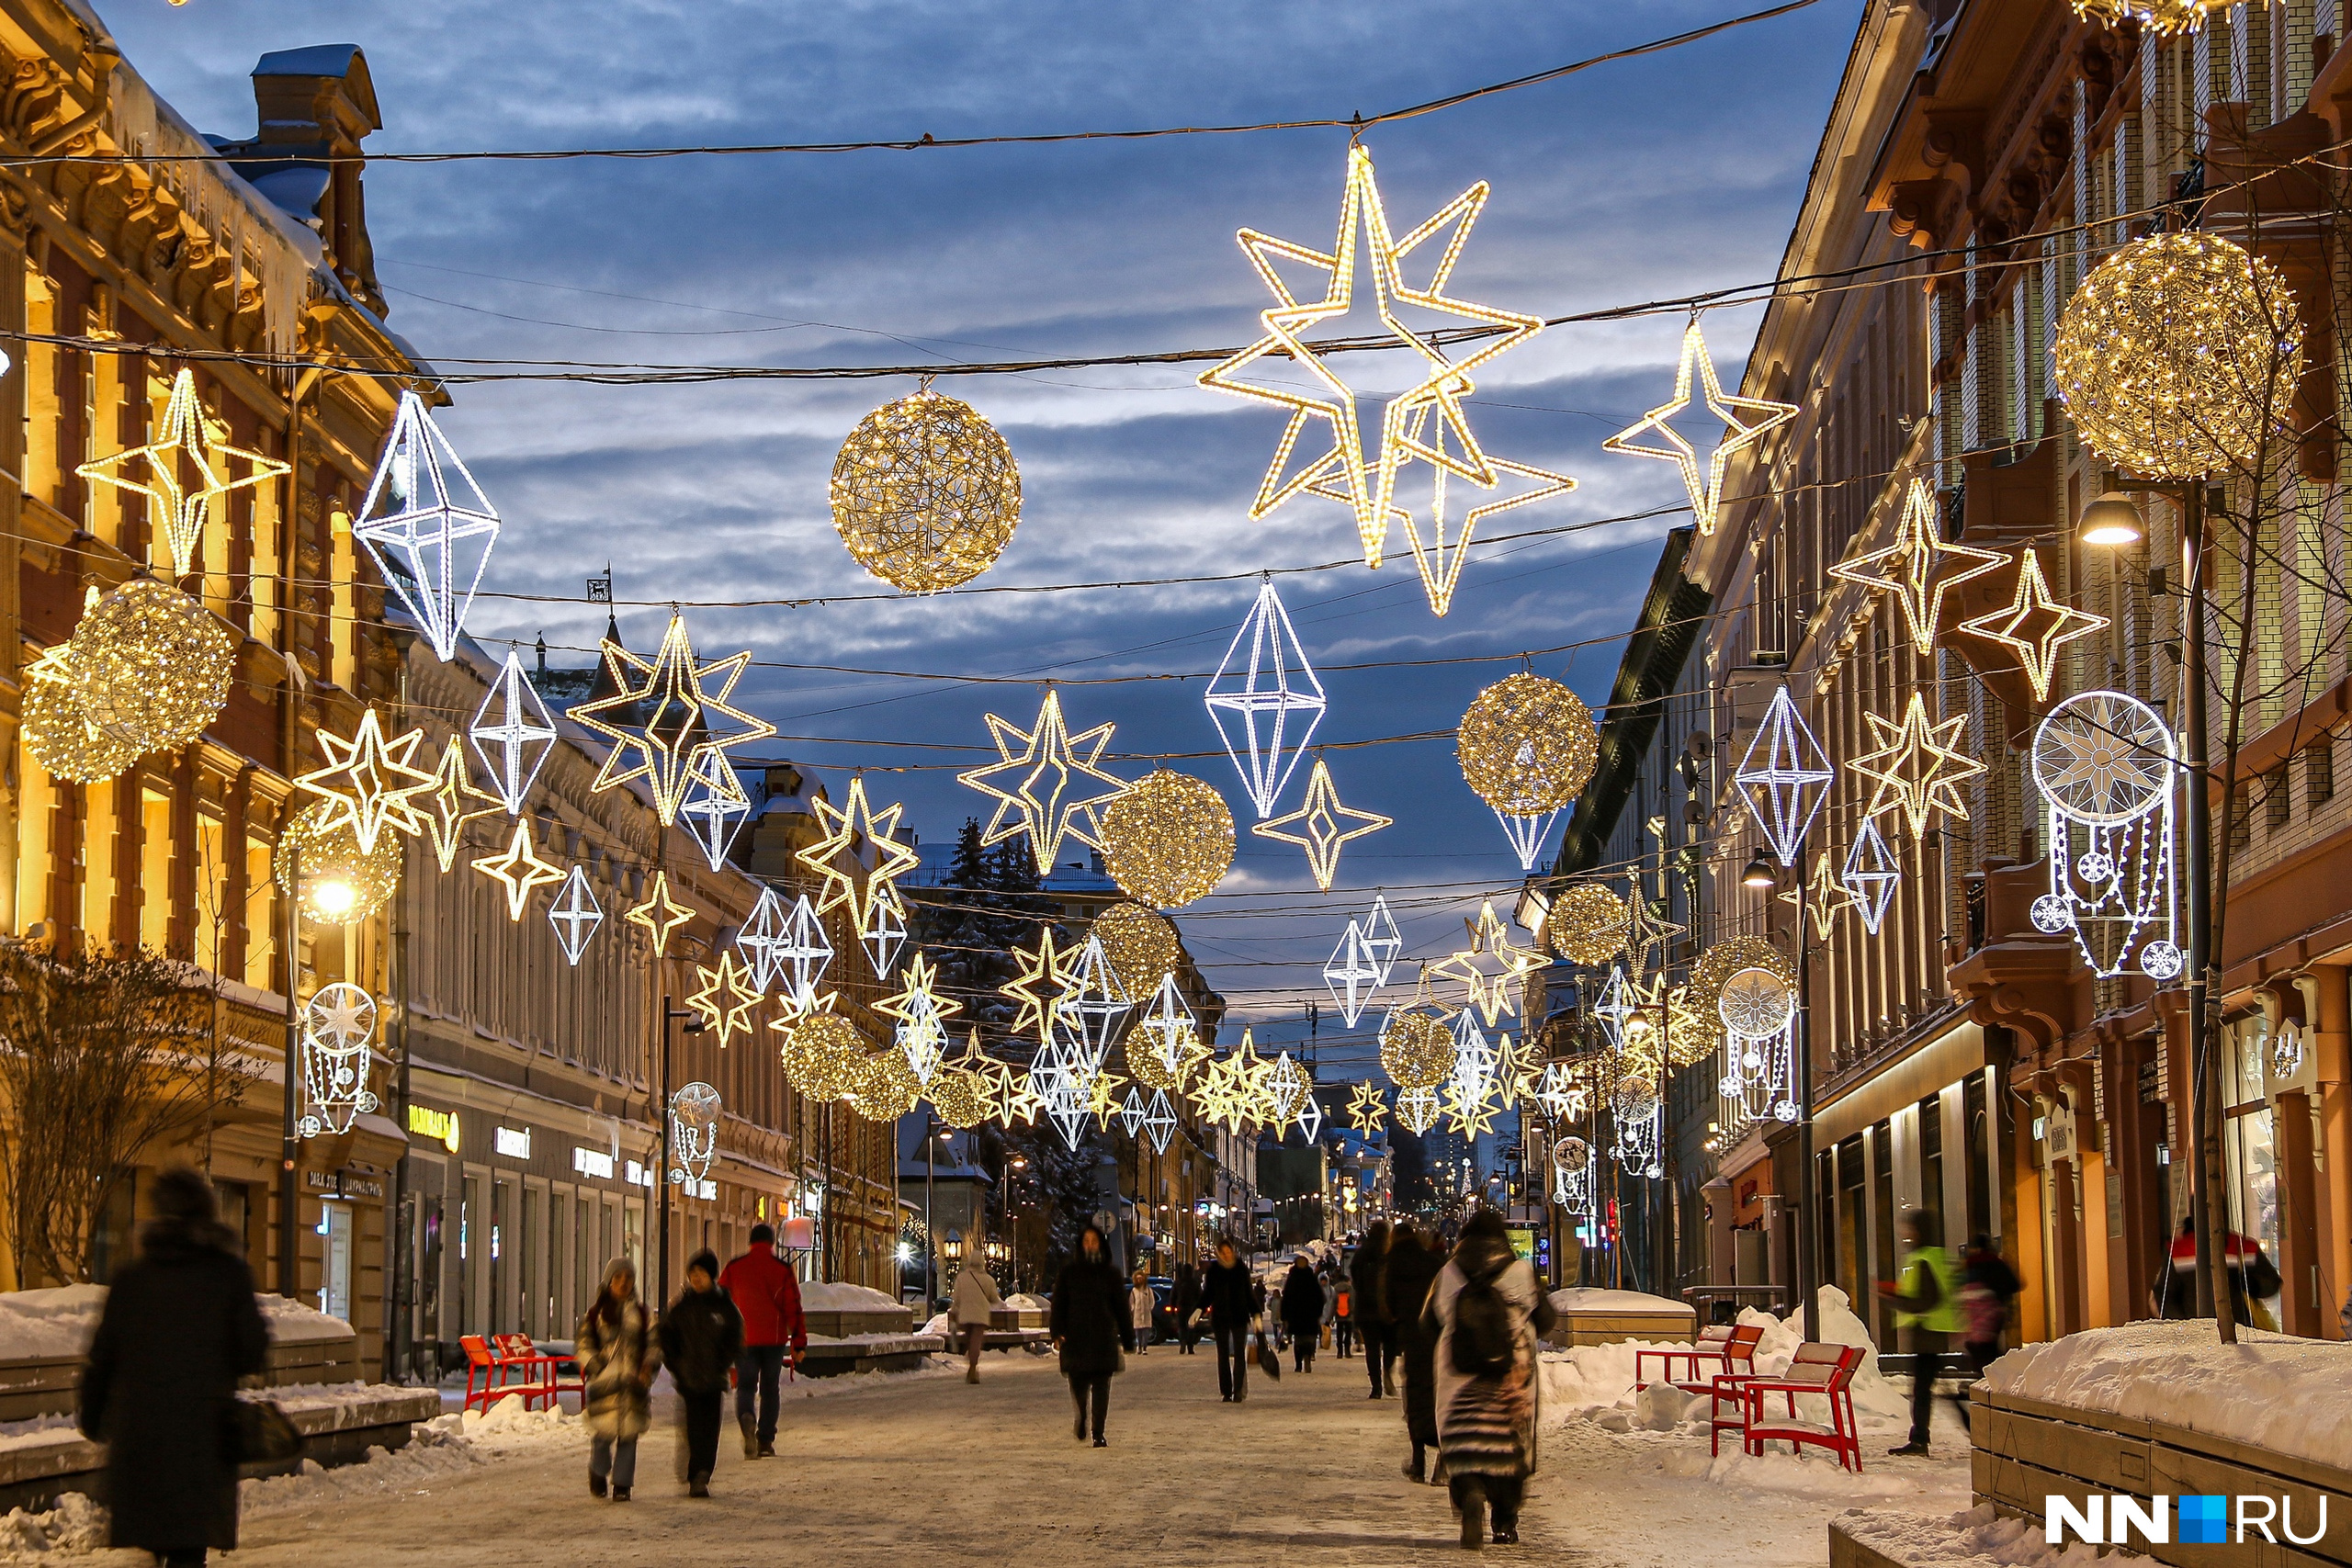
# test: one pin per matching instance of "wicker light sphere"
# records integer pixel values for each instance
(58, 729)
(1145, 1067)
(2179, 354)
(1142, 948)
(341, 882)
(1727, 958)
(883, 1088)
(1586, 924)
(820, 1054)
(925, 492)
(1527, 745)
(1167, 840)
(1416, 1049)
(2158, 16)
(957, 1094)
(155, 665)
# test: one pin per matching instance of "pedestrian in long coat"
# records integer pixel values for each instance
(1092, 1329)
(1302, 1313)
(1486, 1421)
(1227, 1301)
(617, 1361)
(159, 1388)
(1412, 1267)
(971, 1307)
(1368, 1303)
(1186, 1301)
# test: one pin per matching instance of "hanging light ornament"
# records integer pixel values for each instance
(820, 1054)
(2034, 626)
(1159, 1121)
(921, 1013)
(959, 1097)
(838, 857)
(1748, 420)
(1044, 761)
(1870, 875)
(714, 806)
(1367, 1113)
(575, 915)
(1527, 744)
(2151, 17)
(2179, 355)
(1143, 947)
(2103, 762)
(188, 446)
(1784, 778)
(340, 881)
(428, 524)
(153, 665)
(664, 715)
(925, 492)
(1919, 567)
(725, 998)
(369, 782)
(1418, 1108)
(694, 1133)
(660, 914)
(1727, 958)
(519, 871)
(1492, 995)
(445, 813)
(1416, 1047)
(57, 726)
(1754, 1003)
(1266, 689)
(1167, 840)
(1381, 940)
(883, 1087)
(1351, 974)
(1527, 834)
(512, 733)
(337, 1023)
(1917, 767)
(1165, 1046)
(1587, 923)
(1318, 826)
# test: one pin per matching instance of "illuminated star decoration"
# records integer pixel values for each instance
(1049, 764)
(511, 733)
(1825, 894)
(1351, 974)
(1223, 1093)
(1260, 694)
(725, 999)
(370, 784)
(1750, 420)
(1341, 472)
(1492, 995)
(1321, 831)
(1439, 563)
(519, 870)
(186, 445)
(922, 1015)
(715, 806)
(1042, 989)
(1644, 929)
(445, 815)
(660, 914)
(849, 835)
(2034, 626)
(1784, 778)
(428, 524)
(661, 727)
(1917, 767)
(1871, 876)
(1920, 566)
(575, 914)
(1367, 1113)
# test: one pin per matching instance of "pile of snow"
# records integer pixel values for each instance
(829, 1296)
(938, 1324)
(1025, 1302)
(1812, 1472)
(1589, 1299)
(72, 1523)
(2272, 1390)
(290, 1320)
(59, 1321)
(1976, 1538)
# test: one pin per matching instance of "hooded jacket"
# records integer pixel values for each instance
(701, 1335)
(1091, 1317)
(1487, 1426)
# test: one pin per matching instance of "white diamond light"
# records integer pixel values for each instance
(1784, 778)
(1159, 1121)
(1169, 1028)
(1267, 694)
(1097, 1005)
(1380, 937)
(1351, 974)
(1870, 875)
(714, 806)
(511, 734)
(428, 524)
(575, 915)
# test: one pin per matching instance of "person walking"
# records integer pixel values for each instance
(1987, 1285)
(1186, 1301)
(1091, 1328)
(1323, 1276)
(1302, 1313)
(971, 1307)
(1226, 1297)
(767, 1294)
(702, 1334)
(1343, 1322)
(1926, 1293)
(159, 1385)
(1368, 1274)
(617, 1361)
(2250, 1272)
(1142, 1306)
(1485, 1315)
(1413, 1267)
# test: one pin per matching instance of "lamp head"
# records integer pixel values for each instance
(1761, 873)
(2111, 520)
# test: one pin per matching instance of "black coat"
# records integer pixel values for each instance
(1367, 1272)
(1412, 1269)
(1303, 1302)
(179, 1329)
(1188, 1291)
(1090, 1318)
(1228, 1295)
(701, 1335)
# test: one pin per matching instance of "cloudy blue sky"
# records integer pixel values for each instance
(1649, 178)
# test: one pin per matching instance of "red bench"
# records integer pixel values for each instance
(510, 1363)
(1819, 1371)
(1732, 1348)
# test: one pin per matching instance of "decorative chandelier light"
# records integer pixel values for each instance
(694, 1133)
(2179, 355)
(925, 492)
(153, 665)
(337, 1025)
(1167, 840)
(1587, 923)
(1527, 745)
(340, 881)
(428, 524)
(1727, 958)
(2158, 17)
(2104, 764)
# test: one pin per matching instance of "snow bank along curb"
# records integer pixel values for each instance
(1979, 1538)
(45, 1333)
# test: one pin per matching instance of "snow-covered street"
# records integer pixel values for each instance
(873, 1468)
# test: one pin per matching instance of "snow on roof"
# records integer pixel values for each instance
(312, 60)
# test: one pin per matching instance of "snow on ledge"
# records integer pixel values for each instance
(1978, 1537)
(2273, 1391)
(59, 1321)
(1582, 1297)
(818, 1295)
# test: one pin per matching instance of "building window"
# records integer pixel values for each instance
(2319, 774)
(2241, 817)
(2277, 803)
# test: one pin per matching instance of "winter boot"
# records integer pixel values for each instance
(1474, 1521)
(620, 1493)
(751, 1436)
(595, 1486)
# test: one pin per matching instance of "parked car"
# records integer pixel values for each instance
(1163, 1311)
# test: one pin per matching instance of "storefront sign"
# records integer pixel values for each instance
(343, 1184)
(441, 1126)
(637, 1175)
(514, 1143)
(593, 1162)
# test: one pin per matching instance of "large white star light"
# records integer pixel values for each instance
(428, 525)
(1265, 690)
(1784, 778)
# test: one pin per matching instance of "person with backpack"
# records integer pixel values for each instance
(1411, 1267)
(1343, 1320)
(1487, 1311)
(1987, 1284)
(1926, 1293)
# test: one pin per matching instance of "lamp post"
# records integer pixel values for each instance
(1763, 876)
(331, 897)
(661, 1157)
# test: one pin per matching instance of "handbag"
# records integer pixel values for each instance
(262, 1434)
(1267, 1362)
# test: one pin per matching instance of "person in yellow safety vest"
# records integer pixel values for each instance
(1926, 1293)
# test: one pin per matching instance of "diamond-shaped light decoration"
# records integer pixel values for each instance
(1380, 936)
(760, 938)
(575, 915)
(1310, 1118)
(1171, 1033)
(1159, 1121)
(428, 524)
(1265, 700)
(1527, 835)
(1784, 778)
(714, 806)
(1352, 973)
(511, 734)
(1132, 1111)
(1098, 1004)
(1285, 1086)
(1615, 1006)
(886, 929)
(1870, 875)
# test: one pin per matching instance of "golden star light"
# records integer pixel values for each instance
(1917, 766)
(2035, 625)
(1043, 990)
(1324, 826)
(660, 914)
(1749, 421)
(922, 1015)
(444, 804)
(1919, 567)
(1825, 894)
(1049, 769)
(839, 856)
(1439, 560)
(1341, 471)
(665, 714)
(1367, 1113)
(1492, 995)
(187, 445)
(519, 871)
(725, 997)
(369, 782)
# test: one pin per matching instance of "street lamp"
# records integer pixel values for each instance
(953, 1246)
(2111, 520)
(1759, 873)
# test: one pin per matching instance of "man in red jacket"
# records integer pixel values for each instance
(767, 1294)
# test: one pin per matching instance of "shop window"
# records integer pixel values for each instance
(154, 869)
